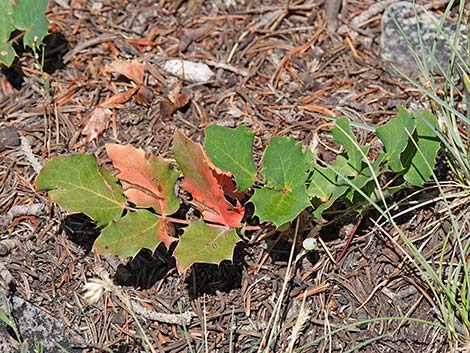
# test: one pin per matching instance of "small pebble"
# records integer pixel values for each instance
(362, 315)
(9, 138)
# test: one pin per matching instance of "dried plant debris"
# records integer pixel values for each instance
(133, 74)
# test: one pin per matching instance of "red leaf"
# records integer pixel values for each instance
(200, 181)
(228, 185)
(148, 181)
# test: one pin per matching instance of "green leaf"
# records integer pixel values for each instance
(342, 134)
(201, 243)
(465, 81)
(343, 166)
(6, 24)
(284, 164)
(323, 183)
(395, 136)
(339, 191)
(231, 150)
(7, 54)
(78, 184)
(365, 176)
(428, 144)
(128, 235)
(30, 16)
(310, 244)
(284, 167)
(280, 207)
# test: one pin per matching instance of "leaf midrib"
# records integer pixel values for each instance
(74, 186)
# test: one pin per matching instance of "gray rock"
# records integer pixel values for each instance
(8, 138)
(35, 325)
(399, 21)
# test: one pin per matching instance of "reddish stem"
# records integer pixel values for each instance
(350, 238)
(184, 221)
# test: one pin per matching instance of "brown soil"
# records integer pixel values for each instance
(287, 67)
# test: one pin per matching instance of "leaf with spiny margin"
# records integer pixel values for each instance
(343, 166)
(231, 150)
(326, 179)
(427, 145)
(365, 176)
(284, 163)
(278, 206)
(322, 184)
(6, 25)
(148, 181)
(78, 184)
(128, 235)
(339, 191)
(7, 53)
(30, 16)
(284, 168)
(342, 134)
(201, 243)
(200, 181)
(395, 136)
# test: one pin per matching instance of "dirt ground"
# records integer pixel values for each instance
(280, 66)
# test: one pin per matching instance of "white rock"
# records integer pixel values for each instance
(188, 70)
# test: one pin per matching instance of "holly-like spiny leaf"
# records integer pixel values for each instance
(202, 184)
(78, 184)
(322, 184)
(30, 16)
(365, 176)
(395, 136)
(202, 243)
(280, 207)
(231, 150)
(427, 145)
(285, 196)
(148, 181)
(7, 53)
(342, 134)
(339, 191)
(127, 236)
(284, 163)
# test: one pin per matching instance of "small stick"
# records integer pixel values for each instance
(176, 319)
(7, 245)
(20, 210)
(29, 155)
(106, 37)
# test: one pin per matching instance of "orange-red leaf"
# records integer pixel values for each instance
(228, 185)
(148, 181)
(200, 181)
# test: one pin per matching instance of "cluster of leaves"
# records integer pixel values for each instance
(24, 15)
(410, 149)
(221, 177)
